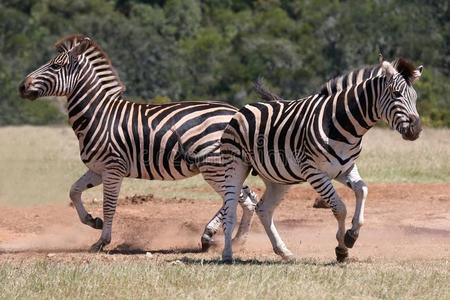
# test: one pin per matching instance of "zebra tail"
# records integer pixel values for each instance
(264, 92)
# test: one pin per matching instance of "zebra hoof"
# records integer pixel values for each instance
(207, 242)
(289, 257)
(350, 239)
(341, 254)
(285, 254)
(227, 260)
(98, 246)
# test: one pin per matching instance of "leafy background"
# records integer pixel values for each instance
(214, 49)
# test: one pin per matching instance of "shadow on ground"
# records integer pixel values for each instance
(125, 249)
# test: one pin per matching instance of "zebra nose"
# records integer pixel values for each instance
(414, 128)
(24, 89)
(25, 84)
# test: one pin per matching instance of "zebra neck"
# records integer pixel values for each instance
(348, 114)
(91, 99)
(363, 103)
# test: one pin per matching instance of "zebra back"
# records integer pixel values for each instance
(330, 87)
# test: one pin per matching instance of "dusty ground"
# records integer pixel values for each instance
(403, 222)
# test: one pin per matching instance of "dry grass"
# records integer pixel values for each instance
(192, 279)
(389, 159)
(39, 164)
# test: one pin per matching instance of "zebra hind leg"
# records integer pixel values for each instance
(87, 181)
(214, 176)
(235, 175)
(248, 201)
(229, 218)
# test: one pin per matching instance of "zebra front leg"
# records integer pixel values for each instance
(322, 184)
(354, 181)
(265, 209)
(87, 181)
(111, 188)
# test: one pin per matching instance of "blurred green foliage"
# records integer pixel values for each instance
(214, 49)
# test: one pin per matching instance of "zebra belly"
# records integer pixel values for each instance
(278, 171)
(334, 167)
(99, 167)
(153, 175)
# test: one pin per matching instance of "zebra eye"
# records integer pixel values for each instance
(55, 66)
(397, 94)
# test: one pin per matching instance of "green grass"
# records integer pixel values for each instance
(145, 279)
(39, 164)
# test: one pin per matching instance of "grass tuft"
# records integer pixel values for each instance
(147, 279)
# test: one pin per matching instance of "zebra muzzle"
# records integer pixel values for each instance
(25, 92)
(413, 130)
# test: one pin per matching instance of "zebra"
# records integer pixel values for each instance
(119, 138)
(332, 86)
(315, 139)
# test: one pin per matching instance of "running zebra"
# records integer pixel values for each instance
(119, 138)
(315, 139)
(332, 86)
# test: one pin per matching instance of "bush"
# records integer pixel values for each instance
(214, 50)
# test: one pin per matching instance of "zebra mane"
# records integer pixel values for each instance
(403, 66)
(406, 68)
(341, 82)
(69, 42)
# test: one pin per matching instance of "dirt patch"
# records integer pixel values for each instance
(407, 221)
(136, 199)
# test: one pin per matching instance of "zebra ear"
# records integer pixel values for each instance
(81, 47)
(388, 69)
(417, 74)
(61, 47)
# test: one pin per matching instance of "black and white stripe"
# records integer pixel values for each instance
(316, 139)
(119, 138)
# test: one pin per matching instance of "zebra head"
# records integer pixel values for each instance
(398, 99)
(59, 76)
